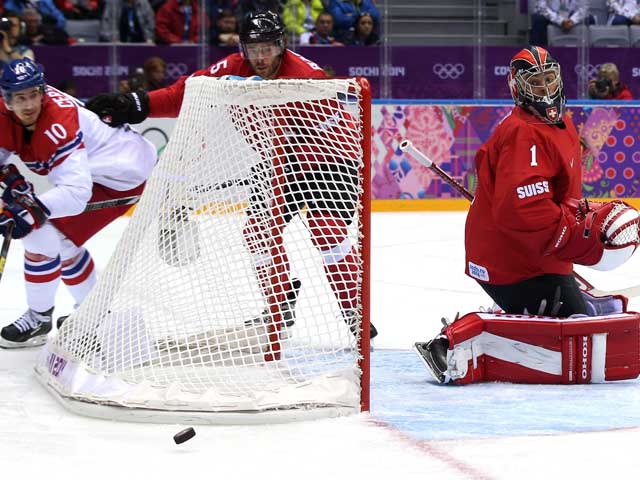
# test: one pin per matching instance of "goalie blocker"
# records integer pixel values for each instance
(483, 347)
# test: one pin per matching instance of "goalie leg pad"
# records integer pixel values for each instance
(543, 350)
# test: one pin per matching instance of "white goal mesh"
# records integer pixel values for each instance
(240, 283)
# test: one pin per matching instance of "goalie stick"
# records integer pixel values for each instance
(408, 147)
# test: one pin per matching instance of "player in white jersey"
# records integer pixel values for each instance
(84, 161)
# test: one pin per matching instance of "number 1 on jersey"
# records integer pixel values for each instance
(534, 160)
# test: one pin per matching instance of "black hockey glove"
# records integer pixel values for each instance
(116, 109)
(13, 183)
(28, 213)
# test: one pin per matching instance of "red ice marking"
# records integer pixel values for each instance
(432, 450)
(620, 156)
(628, 173)
(610, 173)
(620, 124)
(611, 141)
(619, 188)
(628, 140)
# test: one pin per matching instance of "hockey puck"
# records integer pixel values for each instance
(184, 435)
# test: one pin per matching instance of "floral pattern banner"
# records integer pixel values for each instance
(450, 135)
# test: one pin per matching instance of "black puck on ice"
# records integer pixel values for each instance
(184, 435)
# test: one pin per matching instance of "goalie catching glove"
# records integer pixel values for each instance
(116, 109)
(13, 183)
(600, 235)
(27, 212)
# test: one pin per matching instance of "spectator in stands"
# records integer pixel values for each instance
(364, 33)
(46, 8)
(225, 33)
(134, 83)
(133, 19)
(156, 4)
(322, 33)
(37, 33)
(81, 9)
(623, 12)
(260, 6)
(155, 73)
(9, 34)
(300, 15)
(214, 7)
(607, 85)
(150, 77)
(565, 14)
(345, 13)
(177, 21)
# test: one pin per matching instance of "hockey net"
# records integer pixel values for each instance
(192, 318)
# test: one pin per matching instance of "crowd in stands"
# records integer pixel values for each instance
(25, 23)
(170, 22)
(569, 14)
(566, 16)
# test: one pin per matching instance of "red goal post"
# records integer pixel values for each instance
(264, 185)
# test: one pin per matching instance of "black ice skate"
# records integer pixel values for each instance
(287, 309)
(351, 318)
(61, 320)
(30, 330)
(434, 355)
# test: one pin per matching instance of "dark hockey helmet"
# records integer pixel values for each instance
(262, 27)
(535, 81)
(20, 75)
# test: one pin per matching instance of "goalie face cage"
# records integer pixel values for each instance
(197, 317)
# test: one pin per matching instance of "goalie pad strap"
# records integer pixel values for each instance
(526, 349)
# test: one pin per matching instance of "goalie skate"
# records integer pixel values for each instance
(434, 355)
(30, 330)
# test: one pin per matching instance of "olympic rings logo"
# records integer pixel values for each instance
(176, 70)
(588, 70)
(448, 70)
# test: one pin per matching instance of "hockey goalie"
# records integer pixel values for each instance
(525, 230)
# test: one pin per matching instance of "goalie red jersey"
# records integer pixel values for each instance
(167, 101)
(525, 171)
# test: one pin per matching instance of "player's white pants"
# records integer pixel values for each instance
(49, 241)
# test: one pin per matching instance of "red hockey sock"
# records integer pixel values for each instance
(329, 235)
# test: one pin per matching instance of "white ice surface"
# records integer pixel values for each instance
(416, 429)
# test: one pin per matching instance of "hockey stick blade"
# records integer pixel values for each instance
(116, 202)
